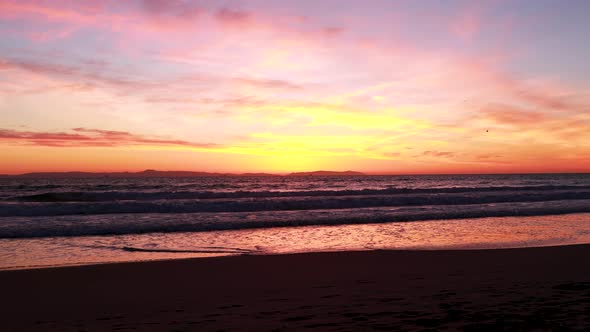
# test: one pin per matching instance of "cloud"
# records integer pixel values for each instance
(510, 115)
(487, 156)
(127, 17)
(332, 31)
(268, 83)
(544, 100)
(171, 13)
(81, 12)
(78, 75)
(467, 24)
(190, 94)
(234, 17)
(391, 154)
(439, 154)
(542, 94)
(84, 137)
(549, 126)
(7, 134)
(5, 65)
(178, 8)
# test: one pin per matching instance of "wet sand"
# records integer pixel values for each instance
(542, 289)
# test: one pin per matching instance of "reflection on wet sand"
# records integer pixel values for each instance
(484, 233)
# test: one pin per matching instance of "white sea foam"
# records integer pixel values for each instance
(82, 207)
(137, 223)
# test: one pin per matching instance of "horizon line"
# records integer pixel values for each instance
(287, 173)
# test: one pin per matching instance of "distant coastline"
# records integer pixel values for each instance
(326, 173)
(149, 173)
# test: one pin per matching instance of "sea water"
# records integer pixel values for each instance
(79, 221)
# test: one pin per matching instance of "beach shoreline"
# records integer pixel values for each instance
(543, 288)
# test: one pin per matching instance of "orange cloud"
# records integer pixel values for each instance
(439, 154)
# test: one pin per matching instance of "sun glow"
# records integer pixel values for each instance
(287, 87)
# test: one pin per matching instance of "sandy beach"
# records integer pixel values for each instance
(542, 289)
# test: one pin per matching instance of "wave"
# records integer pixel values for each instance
(60, 226)
(79, 196)
(289, 203)
(204, 250)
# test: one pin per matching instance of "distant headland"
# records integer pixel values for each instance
(325, 173)
(150, 173)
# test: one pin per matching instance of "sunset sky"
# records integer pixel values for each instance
(279, 86)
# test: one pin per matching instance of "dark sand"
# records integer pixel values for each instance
(539, 289)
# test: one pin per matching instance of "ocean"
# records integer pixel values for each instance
(61, 221)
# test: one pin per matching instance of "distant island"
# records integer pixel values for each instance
(326, 173)
(150, 173)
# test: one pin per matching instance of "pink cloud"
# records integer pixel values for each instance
(69, 16)
(5, 65)
(234, 17)
(83, 137)
(56, 11)
(150, 15)
(544, 95)
(171, 14)
(505, 114)
(545, 100)
(178, 8)
(80, 79)
(332, 31)
(268, 83)
(171, 90)
(467, 25)
(551, 125)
